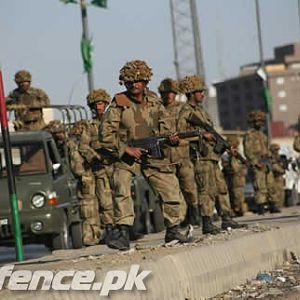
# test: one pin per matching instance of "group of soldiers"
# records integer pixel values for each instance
(188, 176)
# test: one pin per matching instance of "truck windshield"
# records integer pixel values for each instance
(27, 160)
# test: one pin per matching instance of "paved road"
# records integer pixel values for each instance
(288, 216)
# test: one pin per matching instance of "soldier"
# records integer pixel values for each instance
(30, 118)
(57, 129)
(236, 172)
(179, 156)
(256, 150)
(134, 114)
(89, 207)
(102, 168)
(209, 178)
(278, 169)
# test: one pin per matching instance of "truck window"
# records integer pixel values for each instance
(27, 160)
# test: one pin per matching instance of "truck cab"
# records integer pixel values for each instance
(46, 193)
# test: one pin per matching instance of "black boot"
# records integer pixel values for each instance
(172, 234)
(228, 222)
(107, 235)
(195, 216)
(208, 227)
(273, 208)
(122, 242)
(261, 209)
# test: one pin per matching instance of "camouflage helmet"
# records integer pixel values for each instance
(79, 127)
(190, 84)
(96, 96)
(233, 141)
(256, 116)
(274, 147)
(22, 76)
(55, 126)
(136, 70)
(168, 85)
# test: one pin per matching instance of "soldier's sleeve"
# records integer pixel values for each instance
(277, 168)
(44, 99)
(165, 121)
(10, 99)
(85, 149)
(296, 144)
(247, 143)
(109, 130)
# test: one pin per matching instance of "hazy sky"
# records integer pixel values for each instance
(43, 36)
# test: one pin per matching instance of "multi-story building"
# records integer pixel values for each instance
(237, 96)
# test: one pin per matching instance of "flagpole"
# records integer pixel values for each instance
(263, 66)
(85, 37)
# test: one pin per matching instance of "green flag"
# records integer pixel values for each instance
(86, 53)
(268, 98)
(99, 3)
(69, 1)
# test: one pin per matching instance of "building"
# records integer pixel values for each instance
(237, 96)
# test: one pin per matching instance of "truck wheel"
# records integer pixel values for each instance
(76, 235)
(157, 218)
(62, 239)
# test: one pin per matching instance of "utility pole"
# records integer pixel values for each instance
(10, 176)
(186, 38)
(263, 67)
(86, 38)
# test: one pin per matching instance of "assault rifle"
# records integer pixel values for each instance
(221, 145)
(152, 146)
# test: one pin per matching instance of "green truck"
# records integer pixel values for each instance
(46, 192)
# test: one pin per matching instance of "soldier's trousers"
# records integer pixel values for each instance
(164, 184)
(211, 187)
(104, 194)
(186, 175)
(279, 195)
(239, 203)
(89, 210)
(263, 183)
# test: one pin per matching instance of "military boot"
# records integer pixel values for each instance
(273, 208)
(228, 222)
(122, 242)
(108, 233)
(172, 234)
(261, 209)
(208, 227)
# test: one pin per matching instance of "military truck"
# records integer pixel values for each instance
(46, 192)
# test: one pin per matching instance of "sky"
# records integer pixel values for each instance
(43, 36)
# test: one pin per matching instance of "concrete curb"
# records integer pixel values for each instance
(200, 272)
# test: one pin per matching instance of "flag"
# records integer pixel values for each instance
(69, 1)
(268, 98)
(86, 53)
(99, 3)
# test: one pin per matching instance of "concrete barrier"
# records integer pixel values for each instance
(200, 272)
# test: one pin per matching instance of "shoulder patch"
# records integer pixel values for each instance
(122, 100)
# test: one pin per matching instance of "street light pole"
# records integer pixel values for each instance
(263, 67)
(85, 36)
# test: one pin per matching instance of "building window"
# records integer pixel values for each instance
(280, 80)
(283, 107)
(281, 94)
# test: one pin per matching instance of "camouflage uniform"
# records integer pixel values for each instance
(89, 207)
(102, 168)
(278, 172)
(179, 156)
(209, 178)
(30, 118)
(256, 150)
(236, 172)
(129, 119)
